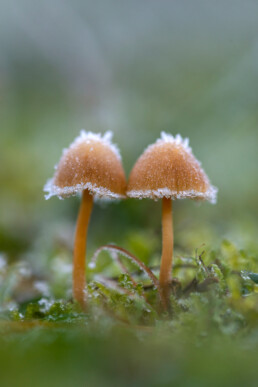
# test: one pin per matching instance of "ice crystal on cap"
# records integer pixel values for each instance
(177, 140)
(169, 169)
(91, 162)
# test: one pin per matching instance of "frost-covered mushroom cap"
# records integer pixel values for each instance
(91, 162)
(169, 169)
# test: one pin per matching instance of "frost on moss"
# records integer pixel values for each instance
(212, 291)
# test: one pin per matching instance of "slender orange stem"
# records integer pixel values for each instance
(167, 249)
(80, 244)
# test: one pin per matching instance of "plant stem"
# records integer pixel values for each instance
(80, 243)
(167, 249)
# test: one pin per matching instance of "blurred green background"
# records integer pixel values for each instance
(137, 68)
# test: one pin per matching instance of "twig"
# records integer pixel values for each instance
(136, 261)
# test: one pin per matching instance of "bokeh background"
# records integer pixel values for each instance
(137, 68)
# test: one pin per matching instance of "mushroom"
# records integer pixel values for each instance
(91, 166)
(168, 170)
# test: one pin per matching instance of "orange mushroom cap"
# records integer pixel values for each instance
(169, 169)
(91, 162)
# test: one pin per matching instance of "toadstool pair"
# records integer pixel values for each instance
(166, 170)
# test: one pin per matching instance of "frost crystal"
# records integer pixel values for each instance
(61, 193)
(92, 265)
(42, 287)
(210, 195)
(178, 140)
(90, 136)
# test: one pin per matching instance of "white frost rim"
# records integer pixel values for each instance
(210, 195)
(61, 193)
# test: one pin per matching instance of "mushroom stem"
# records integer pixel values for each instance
(167, 249)
(80, 243)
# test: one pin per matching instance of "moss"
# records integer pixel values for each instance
(213, 320)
